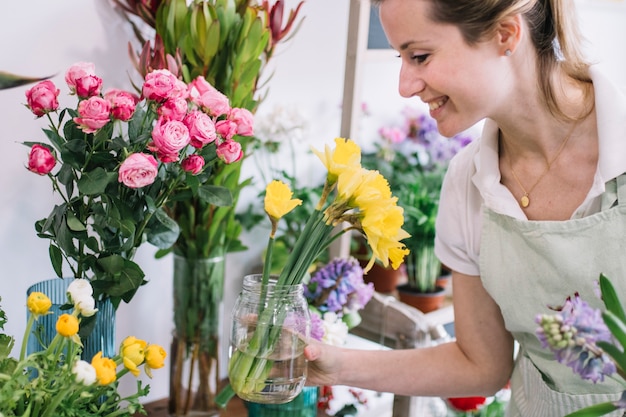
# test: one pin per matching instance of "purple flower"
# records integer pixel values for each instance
(572, 335)
(338, 287)
(317, 326)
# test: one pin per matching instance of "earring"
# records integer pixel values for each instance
(508, 52)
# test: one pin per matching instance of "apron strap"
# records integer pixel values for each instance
(621, 189)
(614, 193)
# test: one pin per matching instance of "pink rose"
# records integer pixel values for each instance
(77, 71)
(168, 138)
(138, 170)
(41, 160)
(229, 151)
(392, 134)
(122, 103)
(173, 109)
(94, 114)
(201, 128)
(193, 164)
(244, 120)
(161, 85)
(208, 97)
(88, 86)
(226, 128)
(42, 98)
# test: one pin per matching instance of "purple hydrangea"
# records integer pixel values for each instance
(338, 287)
(572, 335)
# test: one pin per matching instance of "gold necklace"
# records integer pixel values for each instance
(525, 199)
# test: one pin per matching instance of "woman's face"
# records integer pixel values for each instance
(461, 84)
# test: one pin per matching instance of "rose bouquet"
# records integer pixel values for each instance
(590, 341)
(353, 196)
(115, 161)
(55, 381)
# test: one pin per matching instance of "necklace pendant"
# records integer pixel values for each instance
(524, 201)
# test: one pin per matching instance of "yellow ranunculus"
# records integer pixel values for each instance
(38, 303)
(133, 353)
(347, 154)
(278, 201)
(155, 358)
(106, 370)
(67, 325)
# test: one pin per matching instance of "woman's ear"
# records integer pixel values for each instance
(509, 34)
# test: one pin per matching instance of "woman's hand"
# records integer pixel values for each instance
(324, 363)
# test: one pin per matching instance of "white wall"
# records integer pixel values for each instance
(45, 37)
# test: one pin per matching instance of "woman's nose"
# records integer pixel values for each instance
(411, 82)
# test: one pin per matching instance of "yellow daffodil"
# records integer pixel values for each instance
(362, 199)
(155, 358)
(345, 155)
(133, 353)
(278, 201)
(106, 370)
(38, 303)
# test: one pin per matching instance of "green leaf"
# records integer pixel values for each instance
(74, 224)
(594, 410)
(95, 182)
(217, 196)
(616, 326)
(9, 80)
(162, 230)
(611, 299)
(112, 264)
(56, 258)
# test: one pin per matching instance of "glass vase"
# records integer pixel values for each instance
(270, 328)
(101, 338)
(194, 355)
(304, 405)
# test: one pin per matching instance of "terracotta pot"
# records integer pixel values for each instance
(385, 280)
(424, 302)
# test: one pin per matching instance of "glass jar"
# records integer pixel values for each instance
(270, 328)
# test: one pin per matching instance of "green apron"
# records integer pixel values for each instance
(527, 266)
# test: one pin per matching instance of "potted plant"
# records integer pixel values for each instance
(420, 200)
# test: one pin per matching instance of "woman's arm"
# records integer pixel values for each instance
(478, 362)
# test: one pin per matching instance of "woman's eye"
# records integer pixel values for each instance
(420, 58)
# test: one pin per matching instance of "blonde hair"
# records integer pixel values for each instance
(553, 30)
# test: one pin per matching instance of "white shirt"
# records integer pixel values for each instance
(473, 179)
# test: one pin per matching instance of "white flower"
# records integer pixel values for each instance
(80, 293)
(79, 288)
(335, 330)
(85, 373)
(86, 306)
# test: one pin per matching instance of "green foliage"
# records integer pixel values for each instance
(43, 384)
(9, 80)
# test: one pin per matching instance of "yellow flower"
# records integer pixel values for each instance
(155, 358)
(387, 249)
(384, 219)
(105, 369)
(133, 353)
(278, 201)
(38, 303)
(67, 325)
(360, 186)
(346, 154)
